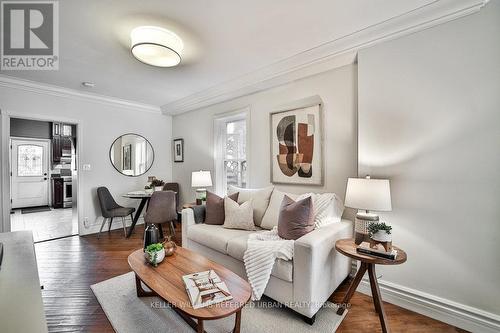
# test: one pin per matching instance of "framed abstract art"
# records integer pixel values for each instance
(179, 150)
(296, 145)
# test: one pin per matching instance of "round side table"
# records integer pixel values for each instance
(348, 248)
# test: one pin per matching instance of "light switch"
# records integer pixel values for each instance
(86, 167)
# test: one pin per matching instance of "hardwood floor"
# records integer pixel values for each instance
(68, 267)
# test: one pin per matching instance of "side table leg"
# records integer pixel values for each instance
(377, 298)
(352, 287)
(237, 322)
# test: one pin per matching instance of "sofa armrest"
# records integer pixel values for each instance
(187, 220)
(317, 267)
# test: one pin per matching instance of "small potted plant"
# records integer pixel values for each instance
(148, 189)
(155, 253)
(157, 184)
(380, 232)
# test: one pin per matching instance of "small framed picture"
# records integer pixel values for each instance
(179, 150)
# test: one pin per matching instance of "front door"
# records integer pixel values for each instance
(29, 180)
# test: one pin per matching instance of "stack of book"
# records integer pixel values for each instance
(377, 251)
(206, 288)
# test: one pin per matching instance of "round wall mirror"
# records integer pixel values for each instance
(131, 155)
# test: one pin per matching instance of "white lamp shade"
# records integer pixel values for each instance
(369, 194)
(201, 179)
(156, 46)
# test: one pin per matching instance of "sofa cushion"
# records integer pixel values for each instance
(260, 200)
(214, 236)
(282, 269)
(270, 219)
(215, 208)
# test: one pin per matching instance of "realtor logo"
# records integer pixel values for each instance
(30, 35)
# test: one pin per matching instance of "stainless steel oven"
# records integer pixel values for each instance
(67, 192)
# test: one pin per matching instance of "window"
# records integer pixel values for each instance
(29, 160)
(231, 152)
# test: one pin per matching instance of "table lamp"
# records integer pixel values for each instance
(369, 195)
(200, 180)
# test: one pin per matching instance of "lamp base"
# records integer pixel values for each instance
(363, 219)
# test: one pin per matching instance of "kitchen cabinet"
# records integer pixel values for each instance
(57, 192)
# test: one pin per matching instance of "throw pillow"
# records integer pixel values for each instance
(238, 216)
(296, 218)
(215, 208)
(328, 208)
(260, 200)
(270, 219)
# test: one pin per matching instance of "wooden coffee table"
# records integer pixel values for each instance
(165, 281)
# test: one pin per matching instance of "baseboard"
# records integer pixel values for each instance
(453, 313)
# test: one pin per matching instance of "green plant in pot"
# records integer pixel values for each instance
(155, 253)
(379, 231)
(149, 189)
(157, 184)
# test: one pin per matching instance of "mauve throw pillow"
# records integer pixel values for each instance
(215, 208)
(296, 218)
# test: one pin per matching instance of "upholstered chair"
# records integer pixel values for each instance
(162, 209)
(110, 209)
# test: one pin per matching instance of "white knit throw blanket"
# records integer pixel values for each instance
(263, 248)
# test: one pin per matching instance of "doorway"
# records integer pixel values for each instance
(43, 174)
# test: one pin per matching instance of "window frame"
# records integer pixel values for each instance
(220, 122)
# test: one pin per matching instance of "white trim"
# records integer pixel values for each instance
(48, 89)
(332, 54)
(453, 313)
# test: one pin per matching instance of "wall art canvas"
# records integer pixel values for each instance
(179, 150)
(296, 146)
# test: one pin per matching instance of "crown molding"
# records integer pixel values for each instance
(332, 54)
(48, 89)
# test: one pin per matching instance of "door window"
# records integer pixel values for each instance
(29, 160)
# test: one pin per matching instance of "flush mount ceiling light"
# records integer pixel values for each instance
(156, 46)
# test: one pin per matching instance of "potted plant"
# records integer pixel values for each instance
(155, 253)
(149, 189)
(157, 184)
(380, 232)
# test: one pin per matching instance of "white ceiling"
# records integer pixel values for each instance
(224, 39)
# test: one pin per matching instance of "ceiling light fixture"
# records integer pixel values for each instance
(87, 84)
(156, 46)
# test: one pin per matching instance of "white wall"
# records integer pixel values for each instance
(429, 120)
(101, 124)
(337, 88)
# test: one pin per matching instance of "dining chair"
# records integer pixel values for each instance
(162, 209)
(173, 187)
(110, 209)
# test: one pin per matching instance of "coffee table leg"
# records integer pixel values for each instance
(200, 326)
(140, 291)
(352, 287)
(237, 322)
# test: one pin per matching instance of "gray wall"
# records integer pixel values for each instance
(27, 128)
(337, 88)
(429, 120)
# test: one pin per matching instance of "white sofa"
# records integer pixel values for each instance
(302, 284)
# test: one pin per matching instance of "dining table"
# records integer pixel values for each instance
(139, 195)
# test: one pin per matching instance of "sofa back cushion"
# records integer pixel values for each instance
(327, 207)
(296, 218)
(270, 219)
(214, 211)
(260, 200)
(238, 216)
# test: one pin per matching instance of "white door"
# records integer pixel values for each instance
(29, 178)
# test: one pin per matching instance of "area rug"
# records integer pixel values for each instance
(35, 209)
(130, 314)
